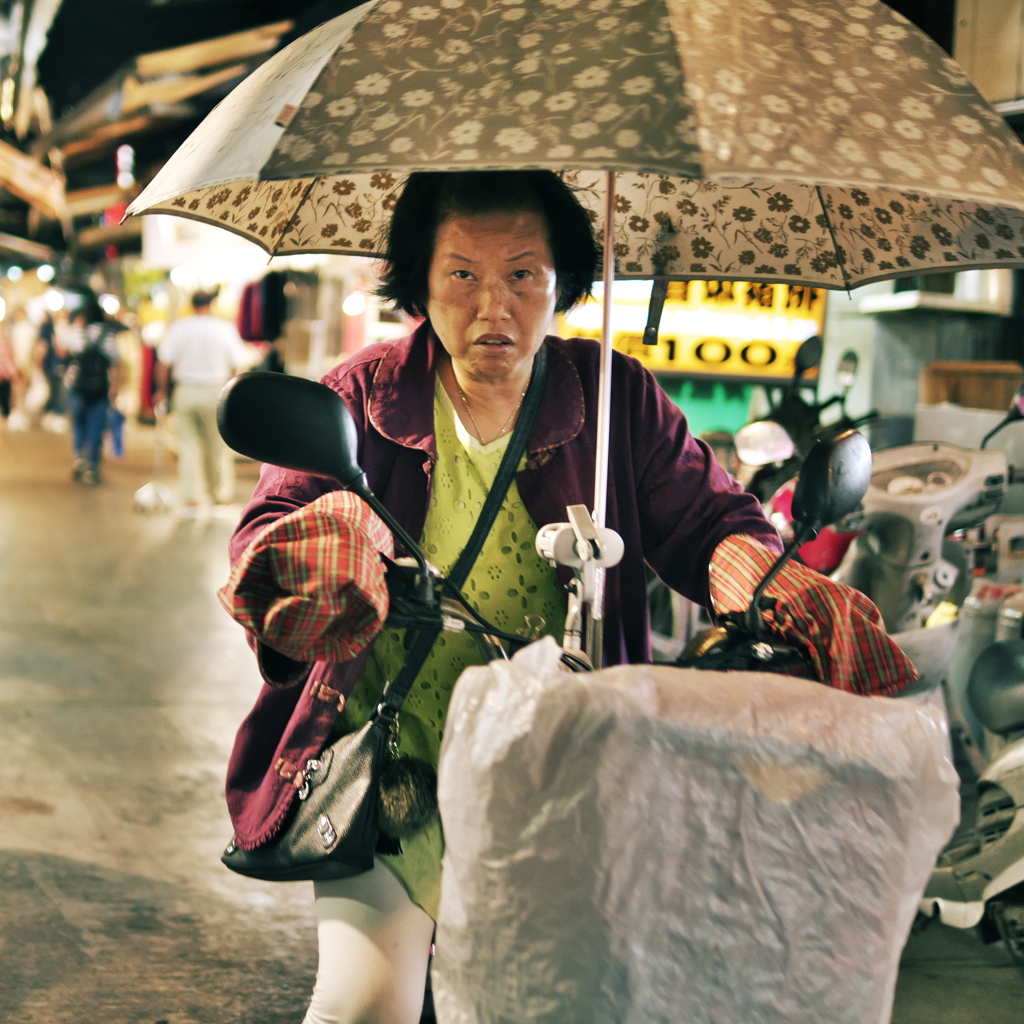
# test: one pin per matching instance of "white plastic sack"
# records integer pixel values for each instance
(649, 844)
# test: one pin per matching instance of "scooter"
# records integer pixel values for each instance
(920, 494)
(774, 445)
(980, 882)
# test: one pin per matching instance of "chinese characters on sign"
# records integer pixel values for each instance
(731, 329)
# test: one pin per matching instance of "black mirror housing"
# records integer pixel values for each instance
(305, 426)
(291, 422)
(834, 477)
(808, 355)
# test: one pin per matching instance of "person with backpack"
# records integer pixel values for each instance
(92, 382)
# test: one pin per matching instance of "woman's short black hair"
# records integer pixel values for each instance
(431, 197)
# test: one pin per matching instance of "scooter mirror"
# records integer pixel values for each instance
(846, 371)
(763, 442)
(1015, 413)
(291, 422)
(1017, 406)
(834, 477)
(302, 425)
(808, 355)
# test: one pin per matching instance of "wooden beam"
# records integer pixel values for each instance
(104, 134)
(85, 201)
(28, 179)
(136, 95)
(99, 107)
(182, 59)
(23, 247)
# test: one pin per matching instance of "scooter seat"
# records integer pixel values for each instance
(995, 689)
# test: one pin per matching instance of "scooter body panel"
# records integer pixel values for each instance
(953, 913)
(1007, 766)
(918, 494)
(992, 861)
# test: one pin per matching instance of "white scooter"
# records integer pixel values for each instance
(920, 494)
(904, 561)
(980, 882)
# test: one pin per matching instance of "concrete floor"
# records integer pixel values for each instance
(121, 685)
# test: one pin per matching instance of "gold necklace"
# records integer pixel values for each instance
(472, 418)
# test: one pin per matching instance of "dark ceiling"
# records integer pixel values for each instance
(936, 17)
(91, 39)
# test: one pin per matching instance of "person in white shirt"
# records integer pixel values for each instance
(200, 353)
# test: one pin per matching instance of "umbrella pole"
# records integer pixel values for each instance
(595, 609)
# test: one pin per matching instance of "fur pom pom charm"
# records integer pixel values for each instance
(407, 800)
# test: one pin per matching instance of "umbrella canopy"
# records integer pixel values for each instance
(819, 142)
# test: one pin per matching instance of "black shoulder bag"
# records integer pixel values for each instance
(334, 833)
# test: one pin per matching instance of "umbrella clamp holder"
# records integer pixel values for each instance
(588, 550)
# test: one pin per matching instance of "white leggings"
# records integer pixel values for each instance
(374, 950)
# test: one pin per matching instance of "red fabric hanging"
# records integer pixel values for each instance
(250, 313)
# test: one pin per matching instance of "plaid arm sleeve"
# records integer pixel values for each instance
(311, 585)
(839, 626)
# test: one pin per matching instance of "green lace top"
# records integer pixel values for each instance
(509, 582)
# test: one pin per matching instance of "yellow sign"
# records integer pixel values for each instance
(713, 328)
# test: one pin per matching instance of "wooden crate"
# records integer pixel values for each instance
(973, 384)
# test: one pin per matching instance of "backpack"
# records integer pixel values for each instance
(90, 371)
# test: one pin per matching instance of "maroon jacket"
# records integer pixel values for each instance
(668, 499)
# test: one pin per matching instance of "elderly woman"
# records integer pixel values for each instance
(486, 259)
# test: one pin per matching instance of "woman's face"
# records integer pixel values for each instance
(492, 292)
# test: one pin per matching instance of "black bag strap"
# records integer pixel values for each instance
(509, 464)
(423, 642)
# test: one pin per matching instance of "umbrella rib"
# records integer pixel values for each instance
(295, 213)
(832, 235)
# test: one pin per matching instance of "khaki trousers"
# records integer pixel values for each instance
(206, 465)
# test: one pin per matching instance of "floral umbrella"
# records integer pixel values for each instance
(807, 141)
(825, 142)
(665, 225)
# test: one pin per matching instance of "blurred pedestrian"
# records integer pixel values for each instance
(54, 361)
(92, 381)
(24, 339)
(8, 376)
(200, 354)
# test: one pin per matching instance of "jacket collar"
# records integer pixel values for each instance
(401, 402)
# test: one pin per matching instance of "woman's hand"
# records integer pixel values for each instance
(311, 585)
(839, 626)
